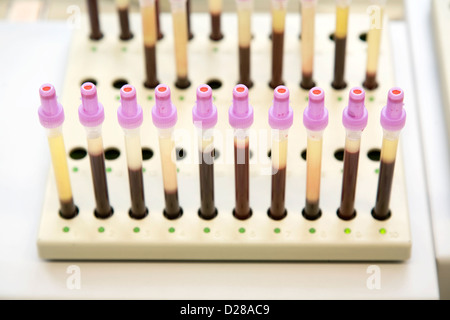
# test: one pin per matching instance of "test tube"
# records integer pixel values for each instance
(179, 17)
(130, 118)
(354, 118)
(315, 120)
(240, 116)
(158, 25)
(215, 9)
(281, 118)
(308, 8)
(204, 115)
(278, 8)
(373, 44)
(244, 8)
(340, 41)
(96, 33)
(51, 116)
(123, 10)
(164, 115)
(91, 114)
(393, 118)
(149, 29)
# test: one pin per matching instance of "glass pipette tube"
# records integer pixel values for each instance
(354, 118)
(244, 9)
(340, 41)
(158, 24)
(393, 118)
(373, 44)
(308, 8)
(164, 115)
(96, 33)
(215, 9)
(149, 30)
(315, 119)
(240, 116)
(278, 8)
(179, 18)
(51, 116)
(130, 118)
(204, 116)
(91, 114)
(281, 118)
(188, 9)
(123, 10)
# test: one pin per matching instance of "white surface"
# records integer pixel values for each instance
(430, 97)
(23, 274)
(224, 242)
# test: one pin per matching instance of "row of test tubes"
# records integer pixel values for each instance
(182, 33)
(204, 116)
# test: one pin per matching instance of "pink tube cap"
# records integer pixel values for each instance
(204, 112)
(315, 116)
(355, 115)
(129, 113)
(164, 113)
(281, 115)
(90, 112)
(51, 113)
(240, 114)
(393, 115)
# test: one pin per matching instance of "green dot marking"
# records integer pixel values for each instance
(347, 230)
(377, 171)
(382, 231)
(242, 230)
(339, 98)
(66, 229)
(75, 169)
(101, 229)
(306, 99)
(277, 230)
(216, 49)
(312, 230)
(207, 230)
(108, 169)
(372, 99)
(93, 49)
(150, 98)
(124, 49)
(178, 169)
(214, 98)
(171, 229)
(181, 98)
(136, 230)
(143, 170)
(117, 97)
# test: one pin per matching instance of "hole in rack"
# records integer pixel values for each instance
(214, 84)
(331, 36)
(119, 83)
(363, 36)
(112, 153)
(91, 80)
(147, 154)
(303, 154)
(250, 154)
(374, 154)
(216, 154)
(180, 153)
(269, 154)
(77, 153)
(339, 154)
